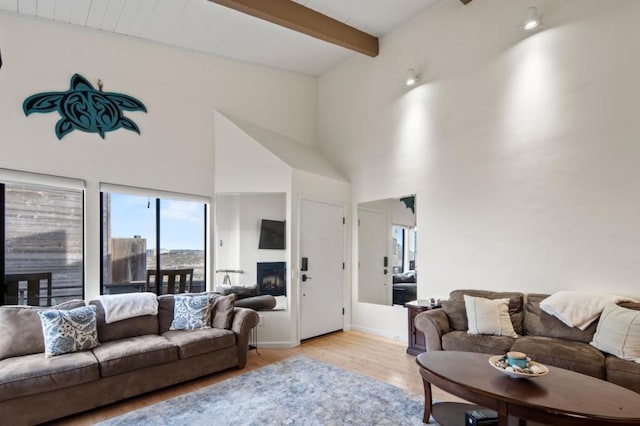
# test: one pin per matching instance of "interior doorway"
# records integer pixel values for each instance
(321, 278)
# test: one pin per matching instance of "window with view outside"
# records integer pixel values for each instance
(132, 245)
(404, 249)
(398, 249)
(43, 243)
(412, 248)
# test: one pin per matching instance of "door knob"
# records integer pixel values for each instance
(305, 277)
(386, 272)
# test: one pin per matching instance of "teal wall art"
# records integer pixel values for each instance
(410, 203)
(84, 108)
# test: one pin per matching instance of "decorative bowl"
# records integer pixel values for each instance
(495, 363)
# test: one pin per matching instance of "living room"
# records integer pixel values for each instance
(518, 146)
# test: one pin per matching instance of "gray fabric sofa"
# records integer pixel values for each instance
(543, 337)
(135, 356)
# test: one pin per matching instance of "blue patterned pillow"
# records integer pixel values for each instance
(191, 313)
(69, 331)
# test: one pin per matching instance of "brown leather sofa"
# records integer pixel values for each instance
(543, 337)
(135, 356)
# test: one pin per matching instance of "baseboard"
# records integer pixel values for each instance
(277, 345)
(380, 333)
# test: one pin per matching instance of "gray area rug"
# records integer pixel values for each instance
(296, 391)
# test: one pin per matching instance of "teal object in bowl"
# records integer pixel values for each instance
(517, 361)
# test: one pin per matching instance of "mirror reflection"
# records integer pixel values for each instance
(387, 251)
(251, 249)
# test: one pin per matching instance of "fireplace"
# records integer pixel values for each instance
(272, 278)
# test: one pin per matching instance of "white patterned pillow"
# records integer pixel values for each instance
(69, 331)
(191, 313)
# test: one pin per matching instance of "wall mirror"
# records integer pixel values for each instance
(387, 239)
(251, 249)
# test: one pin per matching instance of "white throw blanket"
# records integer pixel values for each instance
(118, 307)
(577, 309)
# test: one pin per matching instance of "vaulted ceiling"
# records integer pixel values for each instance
(205, 26)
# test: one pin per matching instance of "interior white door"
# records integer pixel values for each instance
(322, 284)
(374, 277)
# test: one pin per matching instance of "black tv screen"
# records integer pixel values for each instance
(272, 233)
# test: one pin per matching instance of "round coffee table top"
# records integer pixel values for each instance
(562, 392)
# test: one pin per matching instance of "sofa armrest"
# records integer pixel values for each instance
(244, 320)
(433, 324)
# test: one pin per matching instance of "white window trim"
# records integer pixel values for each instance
(20, 177)
(155, 193)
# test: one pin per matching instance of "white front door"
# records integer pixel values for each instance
(374, 277)
(322, 284)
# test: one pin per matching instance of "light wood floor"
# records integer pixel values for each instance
(376, 357)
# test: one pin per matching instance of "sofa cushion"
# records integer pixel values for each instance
(223, 311)
(623, 373)
(130, 327)
(68, 331)
(195, 342)
(463, 341)
(539, 323)
(21, 330)
(516, 303)
(618, 332)
(31, 374)
(570, 355)
(486, 316)
(119, 356)
(456, 313)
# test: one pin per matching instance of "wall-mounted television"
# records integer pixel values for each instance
(272, 234)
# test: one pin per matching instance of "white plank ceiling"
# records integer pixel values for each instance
(210, 28)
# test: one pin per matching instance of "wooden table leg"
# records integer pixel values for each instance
(503, 413)
(427, 401)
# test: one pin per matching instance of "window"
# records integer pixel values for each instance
(152, 244)
(404, 248)
(41, 243)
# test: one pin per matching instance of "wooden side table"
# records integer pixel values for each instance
(417, 344)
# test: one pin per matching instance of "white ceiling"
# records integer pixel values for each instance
(207, 27)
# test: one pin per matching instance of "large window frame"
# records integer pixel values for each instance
(59, 183)
(158, 196)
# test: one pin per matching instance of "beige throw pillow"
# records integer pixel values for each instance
(618, 332)
(223, 311)
(488, 316)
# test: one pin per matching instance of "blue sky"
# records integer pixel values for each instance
(181, 222)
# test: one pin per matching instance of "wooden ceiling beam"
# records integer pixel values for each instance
(297, 17)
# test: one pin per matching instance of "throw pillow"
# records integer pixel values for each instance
(223, 311)
(191, 313)
(69, 331)
(618, 332)
(457, 314)
(488, 316)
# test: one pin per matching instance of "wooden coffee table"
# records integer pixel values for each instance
(561, 397)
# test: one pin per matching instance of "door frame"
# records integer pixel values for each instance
(298, 258)
(389, 251)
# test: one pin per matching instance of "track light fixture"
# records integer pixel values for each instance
(532, 19)
(412, 78)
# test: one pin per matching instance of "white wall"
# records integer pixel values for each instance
(238, 219)
(522, 149)
(181, 90)
(242, 165)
